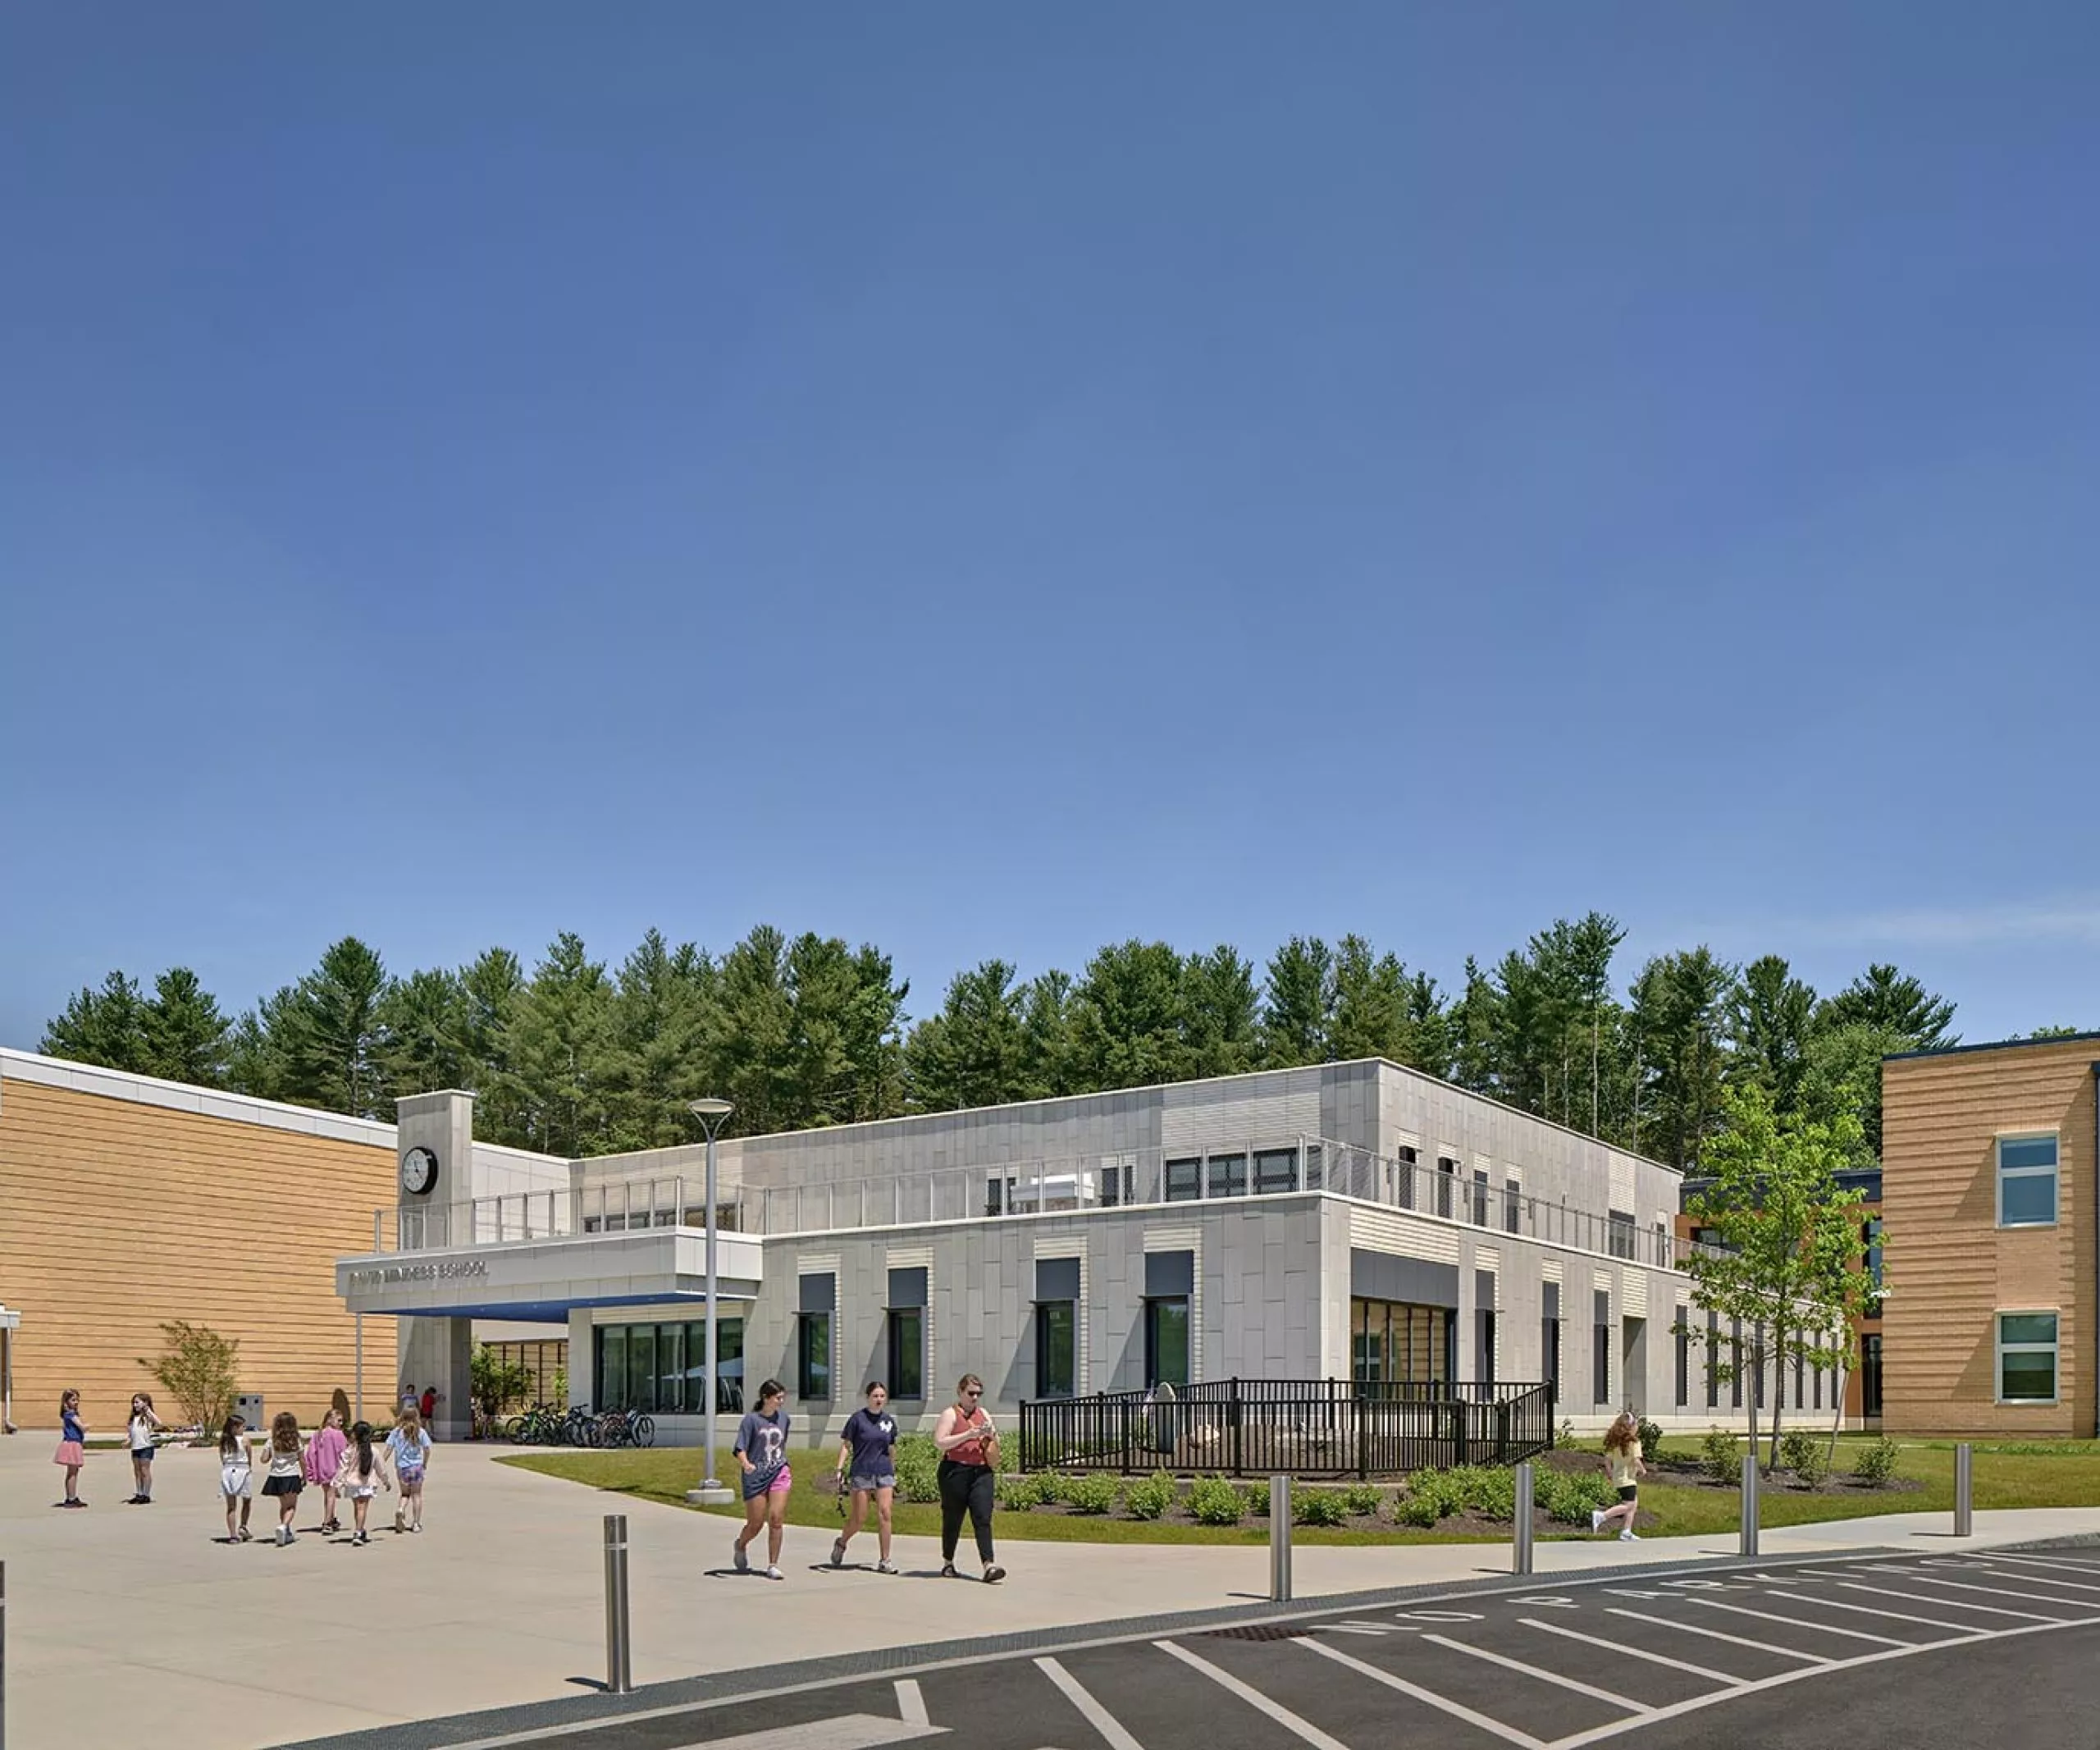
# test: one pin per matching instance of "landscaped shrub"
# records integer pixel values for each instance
(917, 1464)
(1152, 1497)
(1650, 1434)
(1431, 1495)
(1719, 1455)
(1023, 1490)
(1485, 1490)
(1567, 1436)
(1215, 1502)
(1363, 1500)
(1319, 1506)
(1258, 1500)
(1422, 1508)
(1876, 1462)
(1570, 1500)
(1088, 1493)
(1806, 1455)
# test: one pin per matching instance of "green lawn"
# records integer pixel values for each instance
(2029, 1477)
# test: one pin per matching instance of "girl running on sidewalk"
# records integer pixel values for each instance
(867, 1466)
(72, 1448)
(236, 1476)
(364, 1471)
(141, 1429)
(762, 1451)
(285, 1479)
(969, 1446)
(410, 1445)
(1623, 1465)
(324, 1452)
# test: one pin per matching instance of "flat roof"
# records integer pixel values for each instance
(1995, 1045)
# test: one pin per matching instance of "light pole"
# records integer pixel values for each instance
(711, 1114)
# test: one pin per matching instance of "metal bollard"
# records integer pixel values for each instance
(1965, 1490)
(1750, 1502)
(619, 1673)
(1280, 1539)
(1520, 1552)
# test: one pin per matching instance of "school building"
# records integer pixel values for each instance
(1993, 1251)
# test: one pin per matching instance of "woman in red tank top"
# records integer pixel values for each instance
(969, 1445)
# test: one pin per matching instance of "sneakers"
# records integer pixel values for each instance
(774, 1574)
(363, 1536)
(416, 1527)
(1596, 1519)
(284, 1536)
(885, 1567)
(739, 1559)
(838, 1554)
(1629, 1536)
(947, 1571)
(243, 1536)
(994, 1575)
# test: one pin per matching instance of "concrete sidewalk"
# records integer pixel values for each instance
(119, 1615)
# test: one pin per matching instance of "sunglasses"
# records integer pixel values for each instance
(973, 1393)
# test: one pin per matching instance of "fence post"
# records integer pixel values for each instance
(1239, 1440)
(1749, 1503)
(1280, 1539)
(1520, 1552)
(1965, 1480)
(620, 1676)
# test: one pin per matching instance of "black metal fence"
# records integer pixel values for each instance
(1308, 1428)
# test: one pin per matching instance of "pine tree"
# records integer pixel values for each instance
(106, 1026)
(187, 1038)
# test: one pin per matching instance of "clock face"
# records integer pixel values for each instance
(418, 1172)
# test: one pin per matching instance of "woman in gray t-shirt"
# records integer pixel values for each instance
(762, 1453)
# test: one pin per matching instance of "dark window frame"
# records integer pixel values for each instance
(1046, 1311)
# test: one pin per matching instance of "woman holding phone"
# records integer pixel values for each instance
(969, 1445)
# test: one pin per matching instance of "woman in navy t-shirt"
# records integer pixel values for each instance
(867, 1466)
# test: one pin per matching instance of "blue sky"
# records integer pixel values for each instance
(997, 480)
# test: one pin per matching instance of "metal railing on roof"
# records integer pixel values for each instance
(1444, 1191)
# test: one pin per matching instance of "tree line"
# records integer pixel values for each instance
(577, 1056)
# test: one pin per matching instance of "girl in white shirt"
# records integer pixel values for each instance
(142, 1423)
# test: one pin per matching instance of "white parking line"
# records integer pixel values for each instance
(2000, 1591)
(911, 1704)
(1802, 1622)
(1618, 1728)
(1621, 1649)
(1868, 1610)
(1254, 1698)
(2049, 1561)
(1543, 1676)
(1715, 1634)
(1457, 1710)
(2037, 1579)
(1960, 1604)
(1097, 1716)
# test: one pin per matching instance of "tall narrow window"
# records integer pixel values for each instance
(1798, 1370)
(1513, 1198)
(1870, 1374)
(1619, 1229)
(1713, 1357)
(1870, 1244)
(905, 1317)
(1447, 1176)
(1170, 1286)
(1057, 1327)
(813, 1370)
(1404, 1162)
(1549, 1338)
(1735, 1363)
(1683, 1367)
(1600, 1358)
(1480, 1198)
(2027, 1358)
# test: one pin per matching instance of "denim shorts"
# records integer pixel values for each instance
(869, 1483)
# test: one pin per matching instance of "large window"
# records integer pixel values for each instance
(2027, 1358)
(819, 1302)
(1619, 1233)
(1184, 1181)
(1391, 1341)
(1600, 1351)
(662, 1368)
(1228, 1175)
(2027, 1181)
(905, 1330)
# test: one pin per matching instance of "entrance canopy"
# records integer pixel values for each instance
(542, 1281)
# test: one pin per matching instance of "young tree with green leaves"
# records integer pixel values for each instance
(1786, 1265)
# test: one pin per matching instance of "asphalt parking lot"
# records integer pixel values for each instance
(1877, 1650)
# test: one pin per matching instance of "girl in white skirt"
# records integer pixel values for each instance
(366, 1469)
(236, 1476)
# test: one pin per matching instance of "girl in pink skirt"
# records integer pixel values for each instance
(72, 1451)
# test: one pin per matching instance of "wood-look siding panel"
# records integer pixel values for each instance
(1951, 1268)
(116, 1217)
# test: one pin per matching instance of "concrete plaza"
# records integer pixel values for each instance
(122, 1614)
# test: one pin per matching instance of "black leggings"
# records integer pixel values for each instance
(965, 1488)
